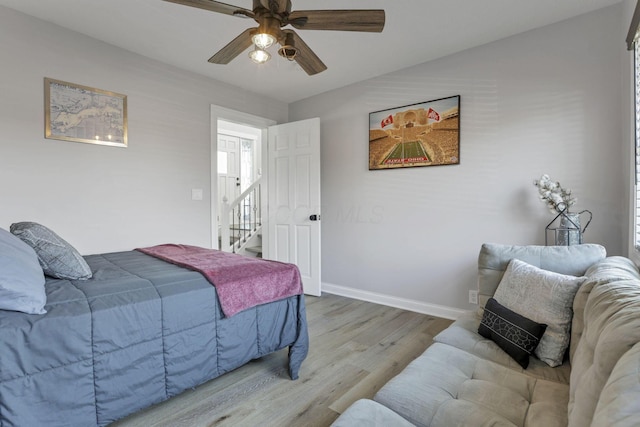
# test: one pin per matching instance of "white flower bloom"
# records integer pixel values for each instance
(555, 197)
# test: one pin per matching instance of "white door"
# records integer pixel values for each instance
(228, 168)
(294, 198)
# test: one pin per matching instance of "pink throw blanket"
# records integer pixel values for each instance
(241, 282)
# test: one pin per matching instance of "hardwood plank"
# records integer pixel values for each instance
(355, 348)
(390, 356)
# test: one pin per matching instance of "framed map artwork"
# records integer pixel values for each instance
(84, 114)
(424, 134)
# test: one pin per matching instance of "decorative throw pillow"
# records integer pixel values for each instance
(515, 334)
(57, 257)
(544, 297)
(21, 278)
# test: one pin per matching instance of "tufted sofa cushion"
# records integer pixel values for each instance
(367, 413)
(618, 404)
(463, 334)
(608, 270)
(611, 328)
(446, 386)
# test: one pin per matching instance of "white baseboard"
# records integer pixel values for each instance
(391, 301)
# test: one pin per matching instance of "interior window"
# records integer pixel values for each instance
(637, 141)
(223, 162)
(633, 45)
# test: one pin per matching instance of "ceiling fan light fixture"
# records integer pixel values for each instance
(263, 40)
(288, 49)
(259, 56)
(289, 52)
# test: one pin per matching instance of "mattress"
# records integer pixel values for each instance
(139, 332)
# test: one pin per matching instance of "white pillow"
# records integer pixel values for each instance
(544, 297)
(21, 277)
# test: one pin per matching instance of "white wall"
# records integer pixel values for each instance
(103, 198)
(545, 101)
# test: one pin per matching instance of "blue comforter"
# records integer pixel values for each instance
(140, 331)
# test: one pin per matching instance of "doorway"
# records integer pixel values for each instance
(240, 168)
(290, 159)
(237, 159)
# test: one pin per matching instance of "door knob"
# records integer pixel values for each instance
(314, 217)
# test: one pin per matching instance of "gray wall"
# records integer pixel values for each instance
(103, 198)
(548, 100)
(545, 101)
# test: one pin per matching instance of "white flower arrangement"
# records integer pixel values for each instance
(553, 195)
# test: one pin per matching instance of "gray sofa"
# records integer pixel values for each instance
(465, 379)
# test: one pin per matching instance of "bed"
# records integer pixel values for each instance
(140, 331)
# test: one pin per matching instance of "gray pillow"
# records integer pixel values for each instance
(57, 257)
(21, 278)
(544, 297)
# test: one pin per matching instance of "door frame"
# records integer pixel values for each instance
(239, 117)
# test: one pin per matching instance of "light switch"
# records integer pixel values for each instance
(196, 194)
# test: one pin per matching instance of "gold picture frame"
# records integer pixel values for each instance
(84, 114)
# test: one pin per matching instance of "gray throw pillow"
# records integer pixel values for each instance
(21, 277)
(544, 297)
(57, 257)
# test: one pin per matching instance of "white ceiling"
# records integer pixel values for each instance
(416, 31)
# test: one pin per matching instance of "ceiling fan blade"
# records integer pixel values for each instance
(215, 6)
(369, 20)
(305, 57)
(234, 48)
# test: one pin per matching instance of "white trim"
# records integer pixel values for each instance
(391, 301)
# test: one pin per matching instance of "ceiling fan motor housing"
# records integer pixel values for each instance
(271, 26)
(275, 6)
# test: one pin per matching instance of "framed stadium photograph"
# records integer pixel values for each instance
(423, 134)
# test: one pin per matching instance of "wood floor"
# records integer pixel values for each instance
(355, 348)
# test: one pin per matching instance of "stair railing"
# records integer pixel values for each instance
(241, 218)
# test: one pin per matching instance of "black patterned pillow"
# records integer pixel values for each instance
(515, 334)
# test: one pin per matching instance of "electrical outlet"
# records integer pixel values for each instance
(473, 296)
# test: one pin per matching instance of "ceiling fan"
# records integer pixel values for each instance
(272, 16)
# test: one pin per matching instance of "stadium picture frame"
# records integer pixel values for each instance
(421, 134)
